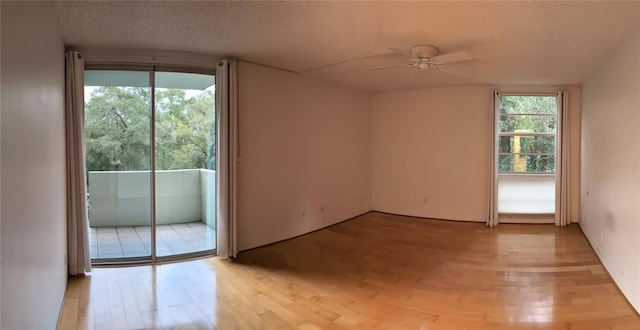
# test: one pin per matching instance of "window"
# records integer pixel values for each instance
(527, 136)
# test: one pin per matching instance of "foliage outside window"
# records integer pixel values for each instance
(527, 137)
(117, 131)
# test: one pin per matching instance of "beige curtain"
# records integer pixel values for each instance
(77, 219)
(227, 157)
(492, 217)
(563, 187)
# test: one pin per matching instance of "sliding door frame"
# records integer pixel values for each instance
(152, 68)
(495, 214)
(152, 154)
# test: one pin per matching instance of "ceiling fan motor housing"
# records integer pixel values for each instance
(423, 51)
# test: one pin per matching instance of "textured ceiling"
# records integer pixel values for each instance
(523, 43)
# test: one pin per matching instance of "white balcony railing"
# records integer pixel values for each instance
(527, 193)
(122, 198)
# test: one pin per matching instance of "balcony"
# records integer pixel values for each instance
(120, 212)
(527, 194)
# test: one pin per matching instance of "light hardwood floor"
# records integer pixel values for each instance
(377, 271)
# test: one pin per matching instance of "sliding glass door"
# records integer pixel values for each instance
(527, 158)
(150, 151)
(185, 163)
(118, 155)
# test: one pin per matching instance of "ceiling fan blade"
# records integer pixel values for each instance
(322, 67)
(454, 71)
(452, 57)
(395, 66)
(401, 51)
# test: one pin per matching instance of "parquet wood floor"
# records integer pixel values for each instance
(377, 271)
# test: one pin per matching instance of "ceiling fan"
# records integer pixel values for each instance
(425, 57)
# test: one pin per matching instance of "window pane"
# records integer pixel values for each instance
(505, 163)
(118, 148)
(541, 164)
(506, 144)
(518, 104)
(527, 142)
(537, 144)
(517, 163)
(117, 114)
(185, 163)
(528, 123)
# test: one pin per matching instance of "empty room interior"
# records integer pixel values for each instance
(319, 165)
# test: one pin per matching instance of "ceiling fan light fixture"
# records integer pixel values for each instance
(423, 57)
(423, 66)
(423, 51)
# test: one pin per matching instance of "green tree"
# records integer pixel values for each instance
(534, 114)
(117, 129)
(185, 130)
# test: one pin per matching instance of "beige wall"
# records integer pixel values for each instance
(610, 194)
(305, 148)
(33, 213)
(433, 144)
